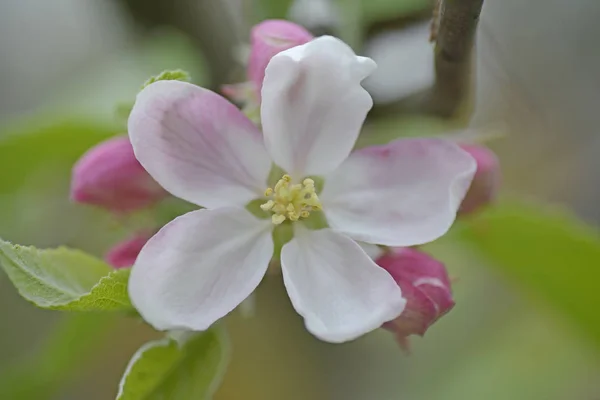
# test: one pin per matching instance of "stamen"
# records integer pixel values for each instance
(278, 219)
(268, 205)
(291, 201)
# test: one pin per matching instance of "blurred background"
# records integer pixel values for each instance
(66, 64)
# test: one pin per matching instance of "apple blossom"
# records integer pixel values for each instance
(201, 148)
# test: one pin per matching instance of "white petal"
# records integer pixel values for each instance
(313, 105)
(401, 194)
(198, 145)
(199, 267)
(341, 293)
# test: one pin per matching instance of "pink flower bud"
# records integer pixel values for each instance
(269, 38)
(486, 181)
(123, 254)
(110, 176)
(425, 286)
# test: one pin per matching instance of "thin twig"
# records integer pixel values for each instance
(454, 41)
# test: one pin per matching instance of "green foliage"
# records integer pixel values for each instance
(123, 109)
(189, 368)
(274, 8)
(384, 130)
(34, 195)
(375, 10)
(27, 147)
(75, 339)
(169, 75)
(546, 250)
(64, 279)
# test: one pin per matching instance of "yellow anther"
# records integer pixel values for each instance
(293, 217)
(291, 201)
(281, 183)
(268, 205)
(278, 208)
(277, 218)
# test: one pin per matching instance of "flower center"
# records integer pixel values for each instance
(292, 202)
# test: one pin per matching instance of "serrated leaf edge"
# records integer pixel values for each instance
(58, 305)
(64, 306)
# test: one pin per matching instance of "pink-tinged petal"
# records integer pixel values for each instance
(417, 316)
(198, 145)
(313, 105)
(402, 194)
(425, 285)
(199, 267)
(486, 182)
(110, 176)
(332, 283)
(124, 253)
(269, 38)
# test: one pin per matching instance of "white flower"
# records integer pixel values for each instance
(201, 148)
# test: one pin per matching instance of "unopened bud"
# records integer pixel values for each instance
(486, 181)
(269, 38)
(110, 176)
(124, 253)
(425, 286)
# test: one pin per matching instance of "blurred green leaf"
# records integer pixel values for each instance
(27, 146)
(76, 338)
(64, 279)
(381, 131)
(274, 8)
(118, 76)
(34, 195)
(350, 14)
(546, 250)
(375, 10)
(178, 370)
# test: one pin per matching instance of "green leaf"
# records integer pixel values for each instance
(381, 131)
(70, 346)
(34, 196)
(64, 279)
(169, 75)
(546, 250)
(274, 8)
(29, 145)
(177, 370)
